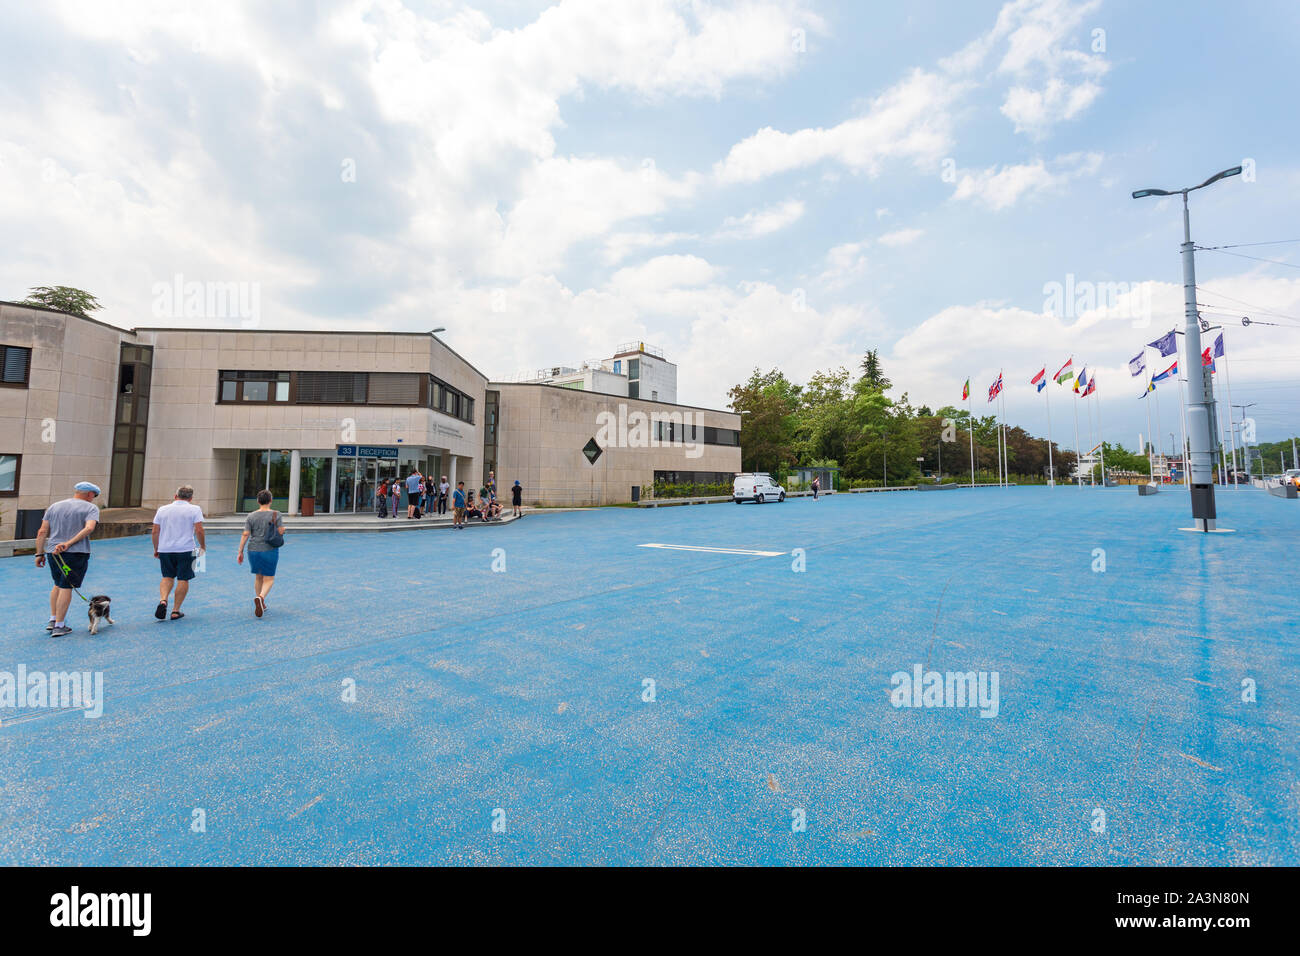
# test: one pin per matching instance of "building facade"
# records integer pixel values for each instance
(318, 418)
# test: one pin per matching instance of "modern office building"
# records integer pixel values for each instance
(319, 418)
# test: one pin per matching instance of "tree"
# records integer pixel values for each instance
(64, 299)
(872, 373)
(767, 430)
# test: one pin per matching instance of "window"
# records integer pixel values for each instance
(332, 388)
(394, 388)
(260, 388)
(633, 389)
(634, 368)
(15, 364)
(721, 436)
(10, 470)
(618, 366)
(443, 398)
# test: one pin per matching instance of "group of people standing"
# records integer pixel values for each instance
(423, 495)
(426, 496)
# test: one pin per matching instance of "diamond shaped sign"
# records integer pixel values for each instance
(592, 451)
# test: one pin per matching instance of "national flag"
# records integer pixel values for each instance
(1167, 344)
(1151, 387)
(1040, 379)
(1218, 346)
(1092, 387)
(1170, 371)
(1065, 371)
(1207, 360)
(1138, 364)
(1081, 380)
(995, 388)
(965, 390)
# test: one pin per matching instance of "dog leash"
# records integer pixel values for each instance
(63, 566)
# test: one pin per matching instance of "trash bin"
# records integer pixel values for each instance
(308, 507)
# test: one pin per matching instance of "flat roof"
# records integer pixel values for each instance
(626, 398)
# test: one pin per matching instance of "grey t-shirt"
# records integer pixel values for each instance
(66, 519)
(257, 525)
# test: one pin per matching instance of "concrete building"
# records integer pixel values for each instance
(585, 448)
(319, 418)
(636, 370)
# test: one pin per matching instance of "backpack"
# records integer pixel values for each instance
(273, 537)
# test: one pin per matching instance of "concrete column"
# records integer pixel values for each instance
(295, 468)
(451, 472)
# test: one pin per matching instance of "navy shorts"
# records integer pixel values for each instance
(76, 569)
(263, 562)
(177, 564)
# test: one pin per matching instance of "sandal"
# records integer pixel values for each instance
(177, 615)
(258, 606)
(160, 611)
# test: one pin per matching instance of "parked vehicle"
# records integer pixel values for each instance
(757, 487)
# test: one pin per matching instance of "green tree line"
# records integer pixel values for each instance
(852, 422)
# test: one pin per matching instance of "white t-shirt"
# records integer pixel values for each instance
(443, 487)
(176, 523)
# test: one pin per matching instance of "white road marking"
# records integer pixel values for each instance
(691, 547)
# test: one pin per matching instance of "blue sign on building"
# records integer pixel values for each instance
(366, 451)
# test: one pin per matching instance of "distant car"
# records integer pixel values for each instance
(1293, 476)
(757, 487)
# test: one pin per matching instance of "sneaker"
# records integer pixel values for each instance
(62, 631)
(49, 625)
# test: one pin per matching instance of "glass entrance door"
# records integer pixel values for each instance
(346, 486)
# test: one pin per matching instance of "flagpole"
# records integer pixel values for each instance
(1078, 458)
(1002, 406)
(1182, 401)
(1158, 432)
(970, 412)
(1047, 398)
(1232, 425)
(1151, 465)
(1084, 394)
(1100, 434)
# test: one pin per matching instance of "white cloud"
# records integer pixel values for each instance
(998, 188)
(908, 121)
(901, 237)
(761, 222)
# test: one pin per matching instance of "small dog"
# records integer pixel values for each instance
(98, 611)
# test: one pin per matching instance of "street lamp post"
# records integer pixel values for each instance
(1200, 406)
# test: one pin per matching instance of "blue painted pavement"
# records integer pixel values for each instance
(522, 691)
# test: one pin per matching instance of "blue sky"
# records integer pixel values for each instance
(751, 184)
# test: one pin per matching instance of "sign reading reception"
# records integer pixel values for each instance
(366, 451)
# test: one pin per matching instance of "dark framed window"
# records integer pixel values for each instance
(254, 388)
(331, 388)
(130, 430)
(11, 472)
(450, 401)
(721, 436)
(15, 365)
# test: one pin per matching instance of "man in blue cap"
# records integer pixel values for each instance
(65, 532)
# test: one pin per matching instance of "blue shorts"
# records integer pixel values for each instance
(263, 562)
(177, 565)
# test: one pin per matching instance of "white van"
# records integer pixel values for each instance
(757, 487)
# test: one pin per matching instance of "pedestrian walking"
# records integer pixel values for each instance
(264, 536)
(177, 541)
(64, 536)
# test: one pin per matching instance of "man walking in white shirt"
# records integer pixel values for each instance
(177, 541)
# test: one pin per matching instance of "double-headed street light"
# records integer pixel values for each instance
(1200, 404)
